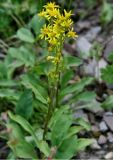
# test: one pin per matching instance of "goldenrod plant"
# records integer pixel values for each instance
(40, 122)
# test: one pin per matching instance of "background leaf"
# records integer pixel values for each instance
(25, 34)
(24, 106)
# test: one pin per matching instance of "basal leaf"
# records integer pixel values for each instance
(108, 103)
(82, 143)
(76, 87)
(24, 106)
(67, 149)
(25, 34)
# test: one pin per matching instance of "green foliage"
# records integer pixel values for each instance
(76, 87)
(18, 144)
(90, 3)
(106, 13)
(25, 35)
(108, 103)
(36, 24)
(24, 106)
(16, 12)
(107, 74)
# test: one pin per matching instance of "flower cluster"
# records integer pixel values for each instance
(59, 27)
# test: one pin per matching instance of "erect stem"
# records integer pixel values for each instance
(47, 120)
(57, 90)
(53, 91)
(48, 113)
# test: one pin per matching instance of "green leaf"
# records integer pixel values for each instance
(42, 145)
(25, 34)
(3, 70)
(61, 124)
(32, 84)
(84, 96)
(106, 12)
(71, 61)
(74, 130)
(16, 132)
(110, 58)
(8, 83)
(107, 74)
(57, 114)
(23, 149)
(82, 143)
(17, 143)
(9, 94)
(108, 103)
(36, 24)
(82, 122)
(77, 87)
(24, 106)
(22, 55)
(22, 121)
(67, 149)
(66, 77)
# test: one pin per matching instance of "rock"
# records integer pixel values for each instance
(83, 25)
(92, 33)
(108, 113)
(109, 156)
(91, 118)
(88, 68)
(109, 121)
(95, 145)
(103, 127)
(95, 131)
(101, 64)
(110, 137)
(102, 140)
(83, 46)
(81, 114)
(108, 48)
(100, 154)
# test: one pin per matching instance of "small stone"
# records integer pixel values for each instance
(108, 48)
(83, 25)
(109, 121)
(108, 114)
(101, 64)
(109, 156)
(103, 127)
(102, 140)
(83, 46)
(95, 145)
(91, 118)
(88, 68)
(92, 33)
(110, 137)
(95, 131)
(81, 114)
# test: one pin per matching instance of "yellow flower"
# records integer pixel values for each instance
(53, 13)
(44, 32)
(67, 23)
(59, 27)
(51, 6)
(53, 41)
(42, 14)
(67, 14)
(72, 34)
